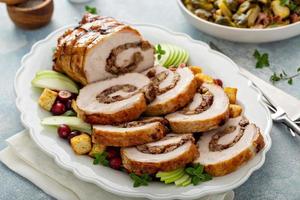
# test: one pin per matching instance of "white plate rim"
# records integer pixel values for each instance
(59, 161)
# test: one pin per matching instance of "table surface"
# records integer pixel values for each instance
(279, 178)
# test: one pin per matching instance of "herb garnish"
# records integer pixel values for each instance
(159, 51)
(140, 180)
(92, 10)
(101, 158)
(262, 60)
(283, 76)
(197, 174)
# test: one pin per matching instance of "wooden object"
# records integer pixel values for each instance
(12, 2)
(31, 17)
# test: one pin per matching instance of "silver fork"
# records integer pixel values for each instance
(278, 114)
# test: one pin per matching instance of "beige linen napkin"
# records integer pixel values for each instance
(24, 157)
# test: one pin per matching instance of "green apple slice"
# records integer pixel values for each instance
(55, 83)
(163, 178)
(74, 122)
(187, 182)
(162, 174)
(170, 55)
(53, 73)
(186, 58)
(174, 177)
(180, 181)
(180, 57)
(175, 54)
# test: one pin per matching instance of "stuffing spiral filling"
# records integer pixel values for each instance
(214, 143)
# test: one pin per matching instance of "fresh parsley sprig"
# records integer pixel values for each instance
(197, 174)
(92, 10)
(140, 180)
(159, 51)
(262, 60)
(283, 76)
(101, 158)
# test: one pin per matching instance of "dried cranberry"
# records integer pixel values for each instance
(64, 95)
(218, 82)
(112, 153)
(115, 163)
(73, 134)
(58, 108)
(63, 131)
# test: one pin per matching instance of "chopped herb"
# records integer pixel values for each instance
(284, 2)
(159, 51)
(283, 76)
(92, 10)
(292, 6)
(197, 174)
(261, 60)
(101, 158)
(290, 81)
(140, 180)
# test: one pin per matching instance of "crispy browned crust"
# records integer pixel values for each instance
(200, 125)
(228, 166)
(152, 168)
(69, 56)
(174, 104)
(122, 116)
(132, 138)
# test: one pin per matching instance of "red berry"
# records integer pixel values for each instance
(64, 95)
(58, 108)
(63, 131)
(73, 134)
(218, 82)
(112, 152)
(115, 163)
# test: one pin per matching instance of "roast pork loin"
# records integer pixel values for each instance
(225, 149)
(175, 88)
(170, 153)
(100, 48)
(116, 100)
(208, 110)
(130, 134)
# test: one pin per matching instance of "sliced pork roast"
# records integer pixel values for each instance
(171, 152)
(130, 134)
(100, 48)
(225, 149)
(208, 110)
(116, 100)
(175, 88)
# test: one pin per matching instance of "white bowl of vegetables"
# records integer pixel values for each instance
(249, 22)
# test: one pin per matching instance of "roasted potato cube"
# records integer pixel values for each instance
(235, 110)
(204, 78)
(231, 93)
(47, 99)
(195, 69)
(97, 148)
(81, 144)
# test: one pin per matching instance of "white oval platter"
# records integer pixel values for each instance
(119, 183)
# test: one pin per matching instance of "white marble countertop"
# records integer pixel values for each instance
(278, 179)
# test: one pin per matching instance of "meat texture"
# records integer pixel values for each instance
(170, 153)
(100, 48)
(225, 149)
